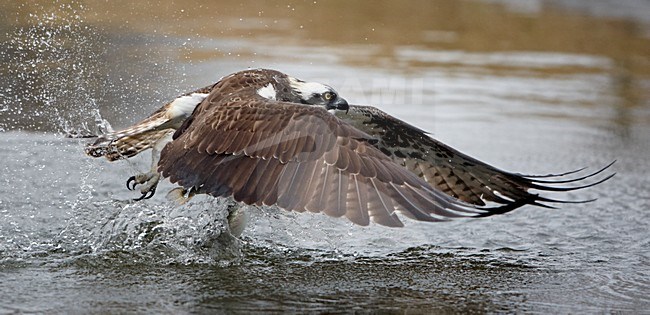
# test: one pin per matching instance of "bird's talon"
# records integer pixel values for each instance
(150, 193)
(146, 195)
(128, 183)
(149, 181)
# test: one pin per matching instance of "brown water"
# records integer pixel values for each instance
(531, 86)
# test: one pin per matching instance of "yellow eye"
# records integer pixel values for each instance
(328, 96)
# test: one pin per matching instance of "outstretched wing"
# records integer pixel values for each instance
(456, 174)
(143, 135)
(299, 158)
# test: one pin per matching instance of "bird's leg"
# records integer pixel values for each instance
(149, 180)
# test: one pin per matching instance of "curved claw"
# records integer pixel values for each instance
(147, 194)
(128, 183)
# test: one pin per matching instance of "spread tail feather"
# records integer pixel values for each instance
(116, 148)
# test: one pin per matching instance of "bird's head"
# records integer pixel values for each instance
(314, 93)
(284, 88)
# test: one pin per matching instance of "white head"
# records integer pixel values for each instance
(315, 93)
(283, 88)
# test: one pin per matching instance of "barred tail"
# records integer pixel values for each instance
(143, 135)
(114, 148)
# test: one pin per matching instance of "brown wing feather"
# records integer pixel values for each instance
(451, 171)
(300, 158)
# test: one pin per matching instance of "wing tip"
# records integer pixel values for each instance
(543, 185)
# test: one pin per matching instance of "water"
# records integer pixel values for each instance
(529, 86)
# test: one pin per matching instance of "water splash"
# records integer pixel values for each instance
(51, 68)
(123, 231)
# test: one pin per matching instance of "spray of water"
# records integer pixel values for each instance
(53, 65)
(58, 73)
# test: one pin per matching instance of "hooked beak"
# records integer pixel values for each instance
(340, 104)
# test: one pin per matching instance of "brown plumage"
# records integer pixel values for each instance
(300, 158)
(155, 131)
(265, 138)
(362, 163)
(455, 173)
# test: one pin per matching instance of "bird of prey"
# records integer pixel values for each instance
(265, 138)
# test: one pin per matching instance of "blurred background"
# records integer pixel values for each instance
(67, 58)
(531, 86)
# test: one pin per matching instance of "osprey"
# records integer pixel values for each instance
(256, 136)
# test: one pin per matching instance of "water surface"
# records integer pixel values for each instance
(529, 86)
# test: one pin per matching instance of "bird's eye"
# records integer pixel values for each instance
(328, 96)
